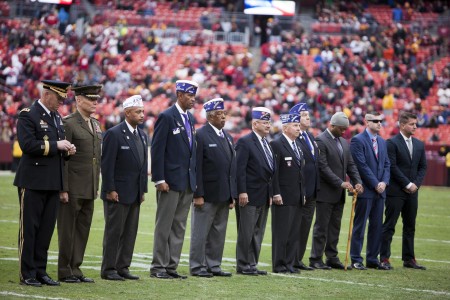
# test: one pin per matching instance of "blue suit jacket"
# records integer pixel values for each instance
(371, 169)
(121, 168)
(173, 160)
(216, 172)
(310, 171)
(254, 175)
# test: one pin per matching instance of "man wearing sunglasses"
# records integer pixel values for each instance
(369, 153)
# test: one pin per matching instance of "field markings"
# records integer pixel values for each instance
(6, 293)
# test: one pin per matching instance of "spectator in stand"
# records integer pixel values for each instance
(397, 14)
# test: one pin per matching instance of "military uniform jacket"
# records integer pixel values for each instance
(41, 166)
(82, 172)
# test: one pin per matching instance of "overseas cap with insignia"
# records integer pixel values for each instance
(133, 101)
(261, 113)
(290, 118)
(214, 104)
(299, 107)
(59, 87)
(186, 86)
(89, 91)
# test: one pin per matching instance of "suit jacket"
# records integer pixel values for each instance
(334, 169)
(121, 168)
(173, 160)
(311, 174)
(216, 172)
(371, 169)
(404, 169)
(288, 179)
(82, 172)
(254, 175)
(41, 165)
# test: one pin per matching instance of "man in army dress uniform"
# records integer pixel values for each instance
(80, 184)
(39, 179)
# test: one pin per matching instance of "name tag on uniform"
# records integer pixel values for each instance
(125, 147)
(288, 158)
(212, 145)
(176, 131)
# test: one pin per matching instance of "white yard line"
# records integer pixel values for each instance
(6, 293)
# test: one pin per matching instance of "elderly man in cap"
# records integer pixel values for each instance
(215, 193)
(80, 188)
(255, 171)
(173, 172)
(124, 182)
(39, 179)
(335, 163)
(370, 155)
(311, 179)
(288, 190)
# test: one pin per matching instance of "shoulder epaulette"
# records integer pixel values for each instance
(24, 110)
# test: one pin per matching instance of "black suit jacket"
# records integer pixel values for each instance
(254, 175)
(288, 179)
(172, 158)
(121, 168)
(216, 171)
(311, 175)
(41, 165)
(404, 169)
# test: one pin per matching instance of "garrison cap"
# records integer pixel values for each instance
(261, 113)
(214, 104)
(186, 86)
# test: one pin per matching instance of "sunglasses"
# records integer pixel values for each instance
(376, 121)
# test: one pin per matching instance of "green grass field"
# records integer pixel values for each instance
(432, 250)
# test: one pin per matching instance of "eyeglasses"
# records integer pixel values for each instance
(376, 121)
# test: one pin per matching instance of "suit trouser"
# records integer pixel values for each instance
(285, 233)
(305, 216)
(38, 210)
(367, 209)
(252, 225)
(326, 231)
(121, 226)
(74, 223)
(407, 206)
(171, 216)
(208, 229)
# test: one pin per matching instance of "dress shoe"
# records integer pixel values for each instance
(31, 282)
(203, 273)
(248, 272)
(48, 281)
(282, 271)
(161, 275)
(358, 266)
(113, 276)
(176, 275)
(85, 279)
(261, 272)
(320, 266)
(293, 270)
(70, 279)
(304, 267)
(129, 276)
(221, 274)
(413, 265)
(338, 265)
(386, 265)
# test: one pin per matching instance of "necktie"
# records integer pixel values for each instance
(89, 125)
(221, 134)
(135, 132)
(410, 147)
(53, 115)
(308, 142)
(297, 154)
(268, 153)
(187, 125)
(375, 146)
(339, 146)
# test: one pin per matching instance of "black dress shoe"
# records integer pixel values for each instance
(304, 267)
(261, 272)
(222, 274)
(358, 266)
(161, 275)
(176, 275)
(48, 281)
(248, 272)
(70, 279)
(203, 273)
(413, 265)
(283, 271)
(113, 276)
(336, 265)
(129, 276)
(294, 270)
(320, 266)
(85, 279)
(31, 282)
(385, 265)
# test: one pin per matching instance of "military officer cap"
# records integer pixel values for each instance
(186, 86)
(59, 87)
(214, 104)
(290, 118)
(261, 113)
(89, 91)
(298, 108)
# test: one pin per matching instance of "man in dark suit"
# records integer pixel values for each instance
(335, 163)
(255, 171)
(288, 195)
(124, 183)
(39, 179)
(311, 180)
(80, 184)
(173, 171)
(370, 156)
(408, 168)
(215, 194)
